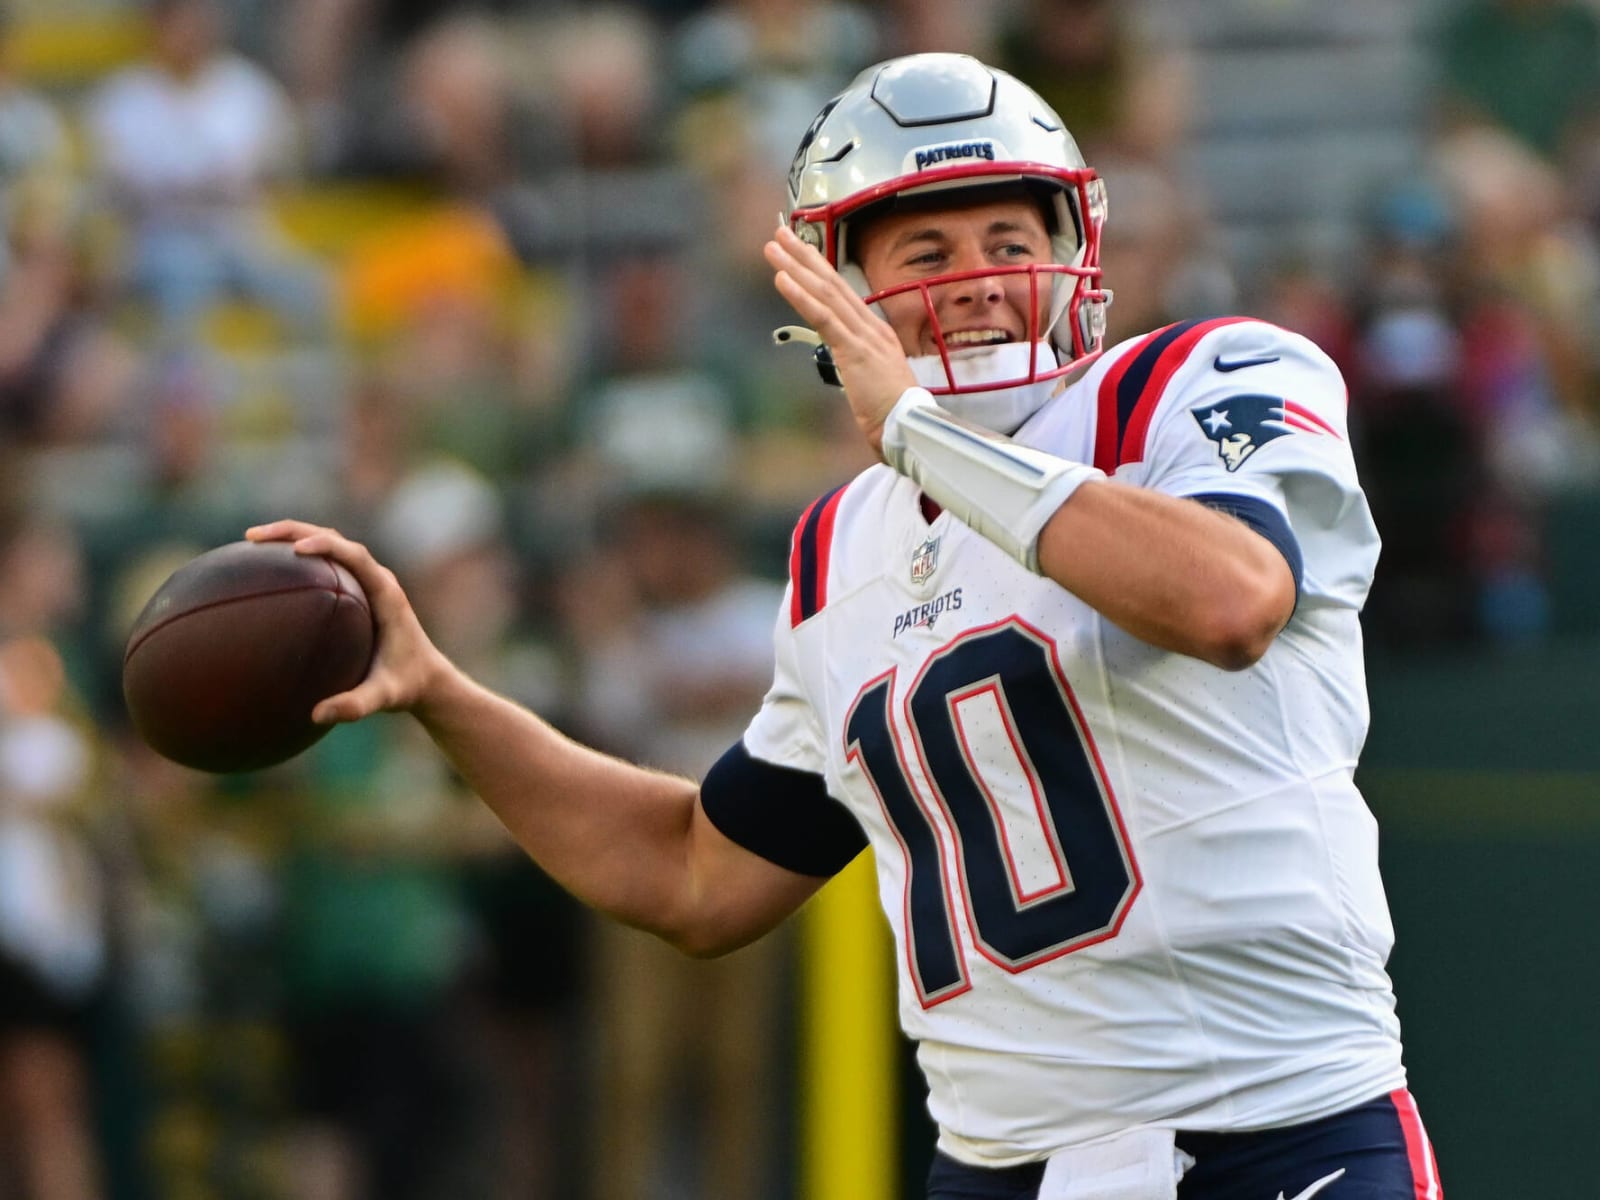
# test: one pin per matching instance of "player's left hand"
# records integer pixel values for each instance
(869, 358)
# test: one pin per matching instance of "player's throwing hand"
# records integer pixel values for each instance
(867, 353)
(405, 664)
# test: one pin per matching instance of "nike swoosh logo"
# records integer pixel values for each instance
(1237, 364)
(1315, 1187)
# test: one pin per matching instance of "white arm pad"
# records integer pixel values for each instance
(1003, 490)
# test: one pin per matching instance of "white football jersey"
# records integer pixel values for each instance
(1127, 887)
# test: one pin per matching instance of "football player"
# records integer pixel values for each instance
(1080, 660)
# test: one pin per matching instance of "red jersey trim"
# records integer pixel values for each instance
(808, 557)
(1131, 390)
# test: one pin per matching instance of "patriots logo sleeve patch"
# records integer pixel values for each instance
(1241, 425)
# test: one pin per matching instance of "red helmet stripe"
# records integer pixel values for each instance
(828, 215)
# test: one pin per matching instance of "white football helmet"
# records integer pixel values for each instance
(935, 124)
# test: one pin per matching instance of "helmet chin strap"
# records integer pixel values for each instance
(1002, 409)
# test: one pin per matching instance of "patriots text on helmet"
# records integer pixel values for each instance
(932, 156)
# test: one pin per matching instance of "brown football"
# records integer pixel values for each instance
(229, 657)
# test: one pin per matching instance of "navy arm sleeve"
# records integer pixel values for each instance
(1266, 520)
(784, 815)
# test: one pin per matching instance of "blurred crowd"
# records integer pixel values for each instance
(481, 284)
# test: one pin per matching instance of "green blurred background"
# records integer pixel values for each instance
(481, 284)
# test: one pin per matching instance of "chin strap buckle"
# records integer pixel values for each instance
(823, 357)
(820, 354)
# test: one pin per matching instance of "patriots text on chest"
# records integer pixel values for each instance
(919, 615)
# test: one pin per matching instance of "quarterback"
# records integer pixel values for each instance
(1080, 660)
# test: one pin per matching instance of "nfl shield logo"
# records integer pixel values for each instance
(925, 561)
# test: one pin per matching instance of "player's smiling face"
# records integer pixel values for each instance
(987, 309)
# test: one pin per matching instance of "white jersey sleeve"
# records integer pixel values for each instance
(1254, 410)
(786, 731)
(775, 792)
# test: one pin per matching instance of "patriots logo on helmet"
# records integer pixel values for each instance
(1241, 425)
(798, 164)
